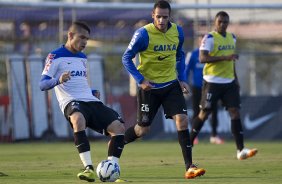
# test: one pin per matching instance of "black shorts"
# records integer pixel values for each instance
(148, 102)
(227, 93)
(98, 116)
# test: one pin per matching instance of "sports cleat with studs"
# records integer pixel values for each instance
(246, 153)
(87, 174)
(194, 172)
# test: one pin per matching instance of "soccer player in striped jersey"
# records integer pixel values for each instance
(160, 78)
(217, 51)
(65, 71)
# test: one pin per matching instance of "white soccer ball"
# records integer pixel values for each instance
(108, 171)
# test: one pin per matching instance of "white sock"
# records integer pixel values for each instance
(116, 159)
(85, 157)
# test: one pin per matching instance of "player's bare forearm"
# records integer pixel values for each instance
(205, 57)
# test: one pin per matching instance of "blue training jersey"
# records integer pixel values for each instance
(194, 66)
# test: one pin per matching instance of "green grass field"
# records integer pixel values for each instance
(141, 162)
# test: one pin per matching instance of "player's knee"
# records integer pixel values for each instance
(141, 131)
(116, 127)
(181, 122)
(120, 128)
(182, 126)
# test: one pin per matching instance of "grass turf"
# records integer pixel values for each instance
(141, 162)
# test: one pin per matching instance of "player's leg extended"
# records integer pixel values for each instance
(232, 101)
(83, 146)
(184, 140)
(237, 131)
(145, 114)
(112, 124)
(197, 124)
(236, 127)
(116, 129)
(207, 102)
(175, 107)
(181, 121)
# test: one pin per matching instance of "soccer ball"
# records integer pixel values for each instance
(108, 171)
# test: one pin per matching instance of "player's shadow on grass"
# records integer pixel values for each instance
(3, 174)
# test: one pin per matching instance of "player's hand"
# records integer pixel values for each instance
(96, 93)
(65, 77)
(185, 87)
(233, 57)
(145, 85)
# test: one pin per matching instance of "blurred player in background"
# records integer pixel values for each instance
(217, 51)
(194, 67)
(66, 72)
(160, 78)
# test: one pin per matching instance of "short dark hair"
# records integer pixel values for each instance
(163, 5)
(221, 14)
(80, 24)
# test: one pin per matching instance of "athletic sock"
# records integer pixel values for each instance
(214, 125)
(82, 144)
(85, 158)
(197, 125)
(113, 158)
(81, 141)
(89, 167)
(237, 131)
(130, 135)
(116, 146)
(186, 147)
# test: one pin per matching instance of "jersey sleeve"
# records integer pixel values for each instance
(207, 43)
(50, 66)
(48, 81)
(138, 43)
(189, 64)
(180, 56)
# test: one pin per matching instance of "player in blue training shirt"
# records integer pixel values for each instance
(65, 71)
(160, 78)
